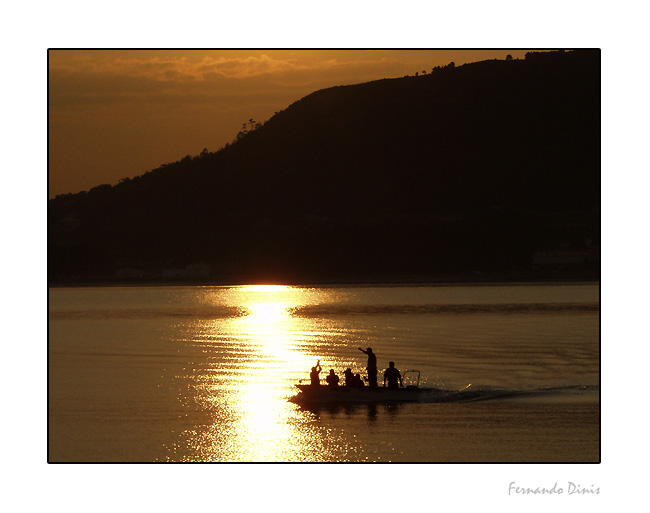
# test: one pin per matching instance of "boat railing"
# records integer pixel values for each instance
(412, 371)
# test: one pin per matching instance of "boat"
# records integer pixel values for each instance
(324, 394)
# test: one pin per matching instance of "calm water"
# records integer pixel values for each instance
(204, 373)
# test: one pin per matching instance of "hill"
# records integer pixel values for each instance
(489, 170)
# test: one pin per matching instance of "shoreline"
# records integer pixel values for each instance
(325, 284)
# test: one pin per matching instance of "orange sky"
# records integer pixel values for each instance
(119, 113)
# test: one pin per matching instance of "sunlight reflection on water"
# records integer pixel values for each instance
(252, 419)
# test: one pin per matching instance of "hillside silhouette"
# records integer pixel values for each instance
(489, 170)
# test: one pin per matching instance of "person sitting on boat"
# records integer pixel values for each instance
(349, 377)
(315, 371)
(332, 379)
(392, 375)
(358, 382)
(372, 367)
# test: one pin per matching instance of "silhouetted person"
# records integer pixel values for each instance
(371, 367)
(349, 377)
(315, 371)
(332, 379)
(358, 382)
(392, 375)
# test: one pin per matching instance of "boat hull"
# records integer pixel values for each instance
(325, 395)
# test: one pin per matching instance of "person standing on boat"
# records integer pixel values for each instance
(332, 379)
(372, 367)
(315, 371)
(392, 375)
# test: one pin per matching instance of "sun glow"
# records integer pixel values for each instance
(266, 288)
(264, 313)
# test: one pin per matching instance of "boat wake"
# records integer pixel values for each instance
(473, 393)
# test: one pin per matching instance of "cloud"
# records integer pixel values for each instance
(245, 67)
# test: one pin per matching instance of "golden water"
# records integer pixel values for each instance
(204, 373)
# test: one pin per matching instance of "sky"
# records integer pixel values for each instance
(114, 114)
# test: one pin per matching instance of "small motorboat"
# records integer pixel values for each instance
(324, 394)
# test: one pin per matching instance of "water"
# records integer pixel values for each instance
(205, 373)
